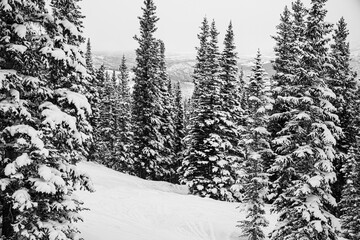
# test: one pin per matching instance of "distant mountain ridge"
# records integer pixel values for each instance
(180, 65)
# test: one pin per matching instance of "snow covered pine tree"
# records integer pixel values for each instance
(207, 170)
(344, 84)
(95, 154)
(148, 143)
(179, 127)
(233, 114)
(88, 57)
(43, 119)
(304, 146)
(256, 142)
(167, 118)
(122, 106)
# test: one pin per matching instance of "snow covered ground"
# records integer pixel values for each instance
(129, 208)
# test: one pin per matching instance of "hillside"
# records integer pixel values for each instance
(128, 208)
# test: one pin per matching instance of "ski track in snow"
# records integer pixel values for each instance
(129, 208)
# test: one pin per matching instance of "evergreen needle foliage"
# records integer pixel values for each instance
(44, 129)
(256, 142)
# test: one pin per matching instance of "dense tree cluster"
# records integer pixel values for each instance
(308, 122)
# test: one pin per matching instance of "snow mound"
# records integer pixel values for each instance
(130, 208)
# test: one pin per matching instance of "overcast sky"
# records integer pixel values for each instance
(111, 24)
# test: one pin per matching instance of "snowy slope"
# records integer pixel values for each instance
(128, 208)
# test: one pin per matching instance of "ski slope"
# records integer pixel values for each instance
(129, 208)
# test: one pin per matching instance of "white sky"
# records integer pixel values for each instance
(111, 24)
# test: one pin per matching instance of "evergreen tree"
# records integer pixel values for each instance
(113, 127)
(231, 101)
(124, 161)
(114, 78)
(148, 143)
(256, 141)
(201, 65)
(207, 172)
(88, 57)
(179, 126)
(107, 78)
(290, 35)
(167, 129)
(124, 83)
(342, 82)
(93, 96)
(284, 64)
(350, 201)
(113, 130)
(305, 144)
(107, 126)
(100, 74)
(283, 52)
(179, 120)
(95, 152)
(242, 94)
(298, 23)
(43, 119)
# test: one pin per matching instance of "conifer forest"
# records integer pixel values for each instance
(288, 141)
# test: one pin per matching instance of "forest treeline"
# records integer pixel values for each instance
(290, 140)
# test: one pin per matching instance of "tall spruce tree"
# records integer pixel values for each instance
(148, 143)
(113, 131)
(299, 13)
(343, 83)
(100, 74)
(94, 100)
(242, 94)
(290, 35)
(285, 58)
(167, 127)
(256, 142)
(207, 172)
(285, 63)
(283, 51)
(201, 65)
(43, 119)
(179, 119)
(231, 101)
(99, 81)
(305, 144)
(124, 161)
(106, 140)
(179, 128)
